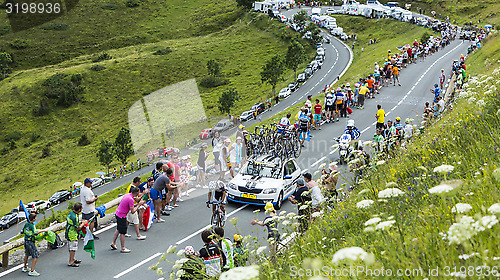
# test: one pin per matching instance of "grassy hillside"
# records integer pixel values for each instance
(131, 74)
(420, 232)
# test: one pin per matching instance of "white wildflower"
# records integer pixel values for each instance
(496, 174)
(260, 250)
(367, 143)
(380, 162)
(391, 185)
(350, 253)
(241, 273)
(179, 273)
(384, 225)
(494, 209)
(180, 253)
(444, 168)
(290, 215)
(286, 223)
(481, 103)
(323, 165)
(442, 188)
(364, 203)
(304, 207)
(462, 231)
(485, 222)
(171, 249)
(458, 274)
(465, 256)
(461, 208)
(333, 163)
(316, 214)
(373, 221)
(390, 192)
(369, 229)
(363, 192)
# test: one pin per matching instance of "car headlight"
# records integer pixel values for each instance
(269, 191)
(232, 186)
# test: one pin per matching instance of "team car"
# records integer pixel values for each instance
(264, 179)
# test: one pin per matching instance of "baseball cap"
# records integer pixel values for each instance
(184, 158)
(87, 180)
(237, 237)
(150, 179)
(269, 207)
(398, 118)
(300, 182)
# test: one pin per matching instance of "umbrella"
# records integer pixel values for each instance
(101, 173)
(407, 45)
(488, 26)
(77, 184)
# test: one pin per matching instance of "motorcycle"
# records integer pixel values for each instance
(346, 151)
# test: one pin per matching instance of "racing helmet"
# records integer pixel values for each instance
(350, 123)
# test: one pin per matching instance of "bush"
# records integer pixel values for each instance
(211, 82)
(163, 51)
(12, 145)
(4, 29)
(41, 109)
(109, 6)
(46, 151)
(84, 140)
(97, 67)
(35, 136)
(13, 136)
(4, 151)
(132, 3)
(425, 37)
(101, 57)
(66, 89)
(57, 26)
(19, 44)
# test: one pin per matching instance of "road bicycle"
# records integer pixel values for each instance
(218, 216)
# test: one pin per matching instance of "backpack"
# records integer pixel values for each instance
(58, 243)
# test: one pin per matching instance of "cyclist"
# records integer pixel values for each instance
(217, 194)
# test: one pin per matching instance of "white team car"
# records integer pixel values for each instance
(263, 179)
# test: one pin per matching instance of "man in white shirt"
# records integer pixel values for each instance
(316, 195)
(88, 199)
(441, 104)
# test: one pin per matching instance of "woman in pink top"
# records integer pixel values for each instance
(126, 205)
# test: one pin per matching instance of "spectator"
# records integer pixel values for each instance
(300, 197)
(330, 181)
(30, 249)
(316, 195)
(160, 184)
(240, 251)
(361, 95)
(273, 235)
(317, 115)
(126, 205)
(441, 104)
(236, 156)
(216, 144)
(134, 218)
(380, 116)
(73, 225)
(200, 165)
(211, 255)
(227, 248)
(224, 154)
(88, 199)
(193, 267)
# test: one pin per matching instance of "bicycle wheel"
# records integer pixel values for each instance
(215, 219)
(297, 148)
(222, 219)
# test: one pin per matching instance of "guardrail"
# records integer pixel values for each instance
(4, 249)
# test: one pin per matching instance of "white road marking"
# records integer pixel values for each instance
(413, 87)
(319, 160)
(110, 226)
(136, 266)
(202, 229)
(11, 270)
(294, 102)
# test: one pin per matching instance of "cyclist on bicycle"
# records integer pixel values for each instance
(217, 194)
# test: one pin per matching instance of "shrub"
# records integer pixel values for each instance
(132, 3)
(13, 136)
(57, 26)
(109, 6)
(19, 44)
(27, 144)
(4, 29)
(12, 145)
(211, 82)
(163, 51)
(66, 89)
(84, 140)
(101, 57)
(35, 136)
(4, 151)
(41, 109)
(97, 67)
(46, 151)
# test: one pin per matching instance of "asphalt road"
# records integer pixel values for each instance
(183, 227)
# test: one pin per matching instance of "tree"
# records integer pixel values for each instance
(105, 153)
(246, 4)
(5, 60)
(123, 145)
(301, 19)
(227, 100)
(425, 37)
(273, 71)
(315, 37)
(213, 68)
(294, 56)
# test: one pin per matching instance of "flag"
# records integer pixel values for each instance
(88, 242)
(24, 213)
(148, 216)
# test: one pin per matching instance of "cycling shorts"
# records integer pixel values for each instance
(329, 108)
(217, 196)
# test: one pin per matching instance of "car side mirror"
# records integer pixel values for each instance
(288, 176)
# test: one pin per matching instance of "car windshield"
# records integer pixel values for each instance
(220, 124)
(261, 170)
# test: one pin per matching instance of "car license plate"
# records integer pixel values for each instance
(251, 196)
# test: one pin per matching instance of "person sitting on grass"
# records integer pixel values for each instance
(29, 245)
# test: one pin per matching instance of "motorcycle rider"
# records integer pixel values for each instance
(354, 132)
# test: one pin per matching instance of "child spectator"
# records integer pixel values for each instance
(240, 251)
(30, 249)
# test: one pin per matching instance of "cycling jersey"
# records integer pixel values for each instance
(339, 98)
(355, 133)
(329, 99)
(284, 122)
